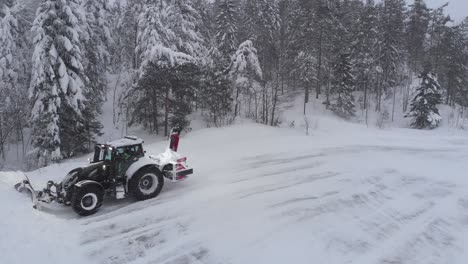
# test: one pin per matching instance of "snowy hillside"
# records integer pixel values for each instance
(347, 194)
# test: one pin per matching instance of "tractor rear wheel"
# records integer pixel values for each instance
(146, 183)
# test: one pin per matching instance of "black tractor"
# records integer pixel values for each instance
(119, 169)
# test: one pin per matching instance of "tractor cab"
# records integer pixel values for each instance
(118, 155)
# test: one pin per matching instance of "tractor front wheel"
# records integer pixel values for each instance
(87, 199)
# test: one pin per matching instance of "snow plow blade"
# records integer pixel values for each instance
(25, 186)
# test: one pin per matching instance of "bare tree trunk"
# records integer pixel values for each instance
(236, 107)
(406, 92)
(463, 116)
(166, 113)
(394, 99)
(306, 96)
(367, 116)
(267, 102)
(135, 56)
(282, 81)
(366, 84)
(114, 120)
(319, 70)
(274, 102)
(264, 105)
(2, 148)
(377, 94)
(327, 92)
(256, 107)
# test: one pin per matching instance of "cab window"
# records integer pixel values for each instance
(108, 154)
(130, 152)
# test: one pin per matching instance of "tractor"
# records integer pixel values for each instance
(119, 169)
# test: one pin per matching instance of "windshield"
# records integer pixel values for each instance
(102, 153)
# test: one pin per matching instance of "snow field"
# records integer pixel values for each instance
(268, 195)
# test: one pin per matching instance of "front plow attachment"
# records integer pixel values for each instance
(25, 186)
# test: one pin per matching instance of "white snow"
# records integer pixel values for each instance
(345, 194)
(125, 142)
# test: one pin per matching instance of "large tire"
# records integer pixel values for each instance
(147, 183)
(87, 199)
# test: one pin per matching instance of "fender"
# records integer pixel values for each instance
(142, 162)
(88, 182)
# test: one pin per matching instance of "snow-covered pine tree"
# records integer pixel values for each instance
(246, 73)
(342, 100)
(460, 66)
(453, 67)
(390, 47)
(57, 84)
(437, 27)
(183, 20)
(8, 36)
(424, 110)
(97, 12)
(163, 95)
(96, 60)
(416, 29)
(226, 28)
(155, 37)
(125, 31)
(8, 70)
(363, 48)
(261, 24)
(215, 96)
(14, 72)
(185, 84)
(168, 43)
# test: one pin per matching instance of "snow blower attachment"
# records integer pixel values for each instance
(118, 169)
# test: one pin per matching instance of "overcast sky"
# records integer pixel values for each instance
(458, 9)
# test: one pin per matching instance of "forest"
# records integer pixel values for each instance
(225, 59)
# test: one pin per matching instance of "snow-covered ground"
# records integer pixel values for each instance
(345, 194)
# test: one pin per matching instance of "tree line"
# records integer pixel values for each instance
(225, 59)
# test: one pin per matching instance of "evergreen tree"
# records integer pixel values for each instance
(215, 96)
(390, 46)
(14, 73)
(246, 73)
(185, 83)
(416, 30)
(155, 37)
(453, 64)
(57, 85)
(226, 28)
(97, 57)
(437, 28)
(146, 98)
(261, 24)
(303, 48)
(363, 49)
(342, 101)
(163, 95)
(8, 71)
(8, 47)
(183, 20)
(424, 110)
(125, 32)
